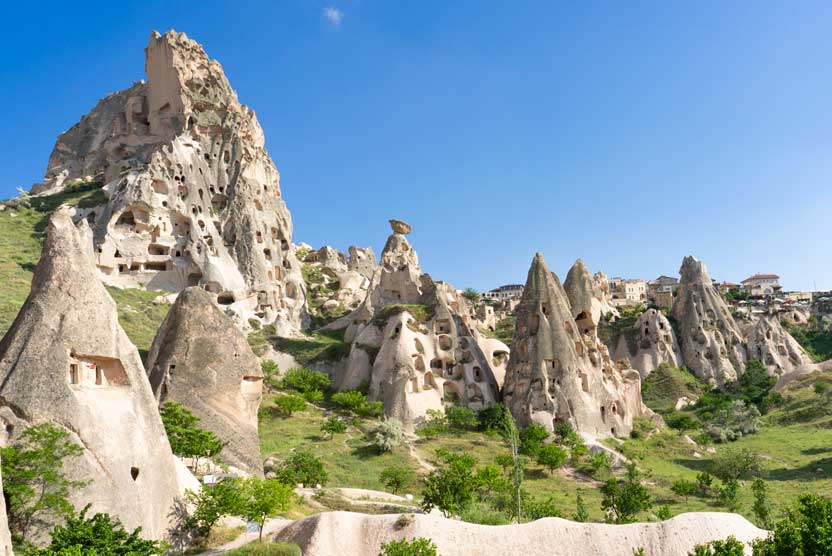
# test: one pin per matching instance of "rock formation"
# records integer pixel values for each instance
(712, 344)
(194, 198)
(560, 371)
(586, 296)
(362, 261)
(335, 286)
(415, 343)
(650, 342)
(354, 534)
(67, 360)
(775, 348)
(5, 535)
(201, 360)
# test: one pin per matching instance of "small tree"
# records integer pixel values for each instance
(511, 435)
(461, 418)
(210, 504)
(532, 438)
(33, 480)
(683, 488)
(623, 500)
(504, 461)
(729, 494)
(735, 464)
(333, 426)
(729, 547)
(762, 505)
(664, 513)
(387, 434)
(306, 380)
(302, 467)
(563, 432)
(289, 403)
(492, 418)
(551, 457)
(186, 438)
(806, 530)
(396, 477)
(357, 403)
(450, 487)
(471, 295)
(271, 374)
(415, 547)
(263, 499)
(581, 514)
(99, 534)
(704, 483)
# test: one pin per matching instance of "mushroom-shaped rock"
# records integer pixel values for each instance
(201, 360)
(66, 360)
(400, 227)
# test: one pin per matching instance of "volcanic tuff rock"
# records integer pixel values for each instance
(201, 360)
(362, 260)
(5, 536)
(194, 198)
(770, 344)
(649, 343)
(354, 534)
(67, 360)
(333, 284)
(587, 296)
(558, 372)
(712, 344)
(415, 342)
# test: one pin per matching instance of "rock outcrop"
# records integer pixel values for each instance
(650, 342)
(775, 348)
(711, 342)
(362, 260)
(335, 286)
(201, 360)
(67, 360)
(354, 534)
(194, 198)
(5, 535)
(415, 341)
(560, 371)
(587, 296)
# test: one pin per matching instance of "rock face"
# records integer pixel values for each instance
(67, 360)
(194, 198)
(354, 534)
(5, 535)
(649, 343)
(560, 371)
(712, 344)
(362, 261)
(770, 344)
(334, 286)
(415, 343)
(201, 360)
(587, 296)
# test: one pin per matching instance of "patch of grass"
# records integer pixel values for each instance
(504, 331)
(266, 548)
(422, 313)
(611, 332)
(816, 340)
(139, 315)
(666, 384)
(323, 345)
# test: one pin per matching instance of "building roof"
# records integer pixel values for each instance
(761, 277)
(664, 278)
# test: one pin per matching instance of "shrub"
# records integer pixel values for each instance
(735, 464)
(681, 421)
(600, 462)
(564, 432)
(623, 500)
(302, 467)
(289, 403)
(581, 514)
(333, 426)
(532, 438)
(538, 509)
(492, 418)
(664, 513)
(704, 482)
(806, 530)
(396, 477)
(357, 403)
(415, 547)
(551, 456)
(450, 487)
(684, 488)
(762, 506)
(210, 504)
(435, 424)
(729, 494)
(270, 372)
(310, 384)
(729, 547)
(461, 418)
(387, 434)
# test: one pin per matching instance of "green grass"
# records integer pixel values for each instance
(266, 548)
(324, 345)
(422, 313)
(504, 331)
(139, 315)
(815, 340)
(665, 385)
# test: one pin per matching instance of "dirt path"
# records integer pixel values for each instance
(270, 528)
(414, 453)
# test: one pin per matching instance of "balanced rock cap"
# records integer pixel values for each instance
(400, 227)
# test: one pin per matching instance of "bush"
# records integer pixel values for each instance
(333, 426)
(258, 548)
(396, 477)
(729, 494)
(623, 500)
(704, 482)
(356, 403)
(415, 547)
(210, 504)
(461, 418)
(684, 488)
(681, 421)
(289, 403)
(532, 438)
(538, 509)
(302, 467)
(450, 487)
(388, 434)
(310, 384)
(551, 456)
(735, 464)
(564, 432)
(806, 530)
(492, 418)
(729, 547)
(435, 424)
(270, 372)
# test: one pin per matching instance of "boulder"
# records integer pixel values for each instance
(201, 360)
(712, 344)
(67, 360)
(560, 372)
(193, 197)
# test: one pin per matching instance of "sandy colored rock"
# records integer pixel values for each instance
(194, 198)
(560, 371)
(649, 343)
(201, 360)
(586, 295)
(362, 260)
(770, 344)
(67, 360)
(353, 534)
(5, 535)
(711, 342)
(400, 227)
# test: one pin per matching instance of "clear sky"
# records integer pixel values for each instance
(626, 133)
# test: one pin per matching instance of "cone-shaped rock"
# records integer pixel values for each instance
(194, 198)
(557, 373)
(67, 360)
(200, 359)
(775, 348)
(587, 299)
(650, 342)
(712, 344)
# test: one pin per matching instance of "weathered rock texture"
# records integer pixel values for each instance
(770, 344)
(712, 344)
(67, 360)
(415, 341)
(194, 198)
(335, 286)
(649, 343)
(587, 296)
(201, 360)
(353, 534)
(5, 535)
(560, 371)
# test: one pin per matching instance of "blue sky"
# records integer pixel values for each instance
(626, 133)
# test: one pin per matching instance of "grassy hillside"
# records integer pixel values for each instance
(22, 232)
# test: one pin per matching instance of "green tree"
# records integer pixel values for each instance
(623, 500)
(271, 374)
(471, 295)
(664, 513)
(461, 418)
(704, 482)
(309, 383)
(263, 499)
(33, 480)
(504, 461)
(539, 508)
(210, 504)
(333, 426)
(551, 456)
(492, 418)
(511, 435)
(450, 487)
(357, 403)
(762, 505)
(186, 437)
(805, 531)
(754, 384)
(735, 464)
(683, 488)
(387, 435)
(532, 438)
(416, 547)
(564, 432)
(729, 494)
(98, 535)
(395, 477)
(581, 514)
(729, 547)
(302, 467)
(289, 403)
